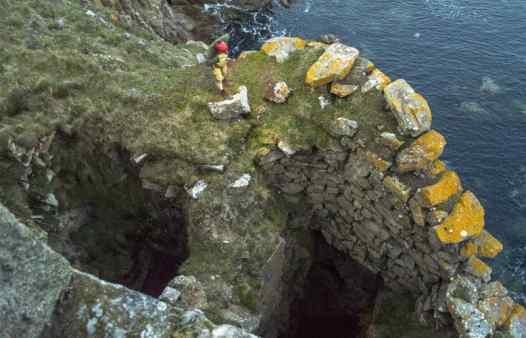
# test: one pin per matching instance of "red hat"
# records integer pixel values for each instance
(221, 47)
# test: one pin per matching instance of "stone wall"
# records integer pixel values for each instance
(392, 205)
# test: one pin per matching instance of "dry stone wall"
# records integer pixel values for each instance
(393, 206)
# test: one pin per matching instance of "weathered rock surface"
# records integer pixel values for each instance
(334, 64)
(231, 108)
(278, 92)
(32, 278)
(422, 152)
(282, 47)
(410, 108)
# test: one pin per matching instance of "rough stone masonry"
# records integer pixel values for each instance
(400, 211)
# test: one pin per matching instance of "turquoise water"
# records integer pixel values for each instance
(469, 59)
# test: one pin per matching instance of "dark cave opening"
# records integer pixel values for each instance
(337, 299)
(107, 223)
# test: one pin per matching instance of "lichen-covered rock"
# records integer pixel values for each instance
(191, 294)
(410, 108)
(436, 168)
(515, 326)
(484, 245)
(343, 127)
(421, 152)
(478, 268)
(469, 321)
(390, 140)
(282, 47)
(377, 162)
(400, 190)
(376, 80)
(465, 221)
(496, 309)
(94, 308)
(343, 90)
(32, 279)
(278, 92)
(440, 192)
(334, 64)
(231, 108)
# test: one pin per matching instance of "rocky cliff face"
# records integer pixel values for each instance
(312, 202)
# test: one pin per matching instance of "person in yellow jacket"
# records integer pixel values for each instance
(220, 63)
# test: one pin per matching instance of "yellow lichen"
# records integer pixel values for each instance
(342, 90)
(377, 162)
(465, 221)
(469, 249)
(436, 168)
(478, 268)
(440, 192)
(489, 246)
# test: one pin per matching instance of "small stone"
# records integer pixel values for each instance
(317, 44)
(140, 158)
(394, 185)
(197, 189)
(378, 162)
(324, 102)
(343, 127)
(329, 39)
(467, 215)
(126, 35)
(286, 148)
(417, 212)
(343, 90)
(376, 80)
(232, 108)
(90, 13)
(390, 140)
(201, 58)
(213, 167)
(410, 108)
(334, 64)
(436, 168)
(448, 186)
(241, 182)
(282, 47)
(421, 152)
(191, 293)
(279, 92)
(60, 24)
(436, 216)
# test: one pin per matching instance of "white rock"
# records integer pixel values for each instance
(241, 182)
(90, 13)
(197, 189)
(324, 102)
(286, 148)
(231, 108)
(201, 58)
(140, 158)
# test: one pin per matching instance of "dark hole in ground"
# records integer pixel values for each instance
(337, 299)
(107, 224)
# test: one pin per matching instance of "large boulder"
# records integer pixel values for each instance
(410, 108)
(231, 108)
(282, 47)
(334, 64)
(32, 277)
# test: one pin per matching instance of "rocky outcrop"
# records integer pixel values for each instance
(109, 148)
